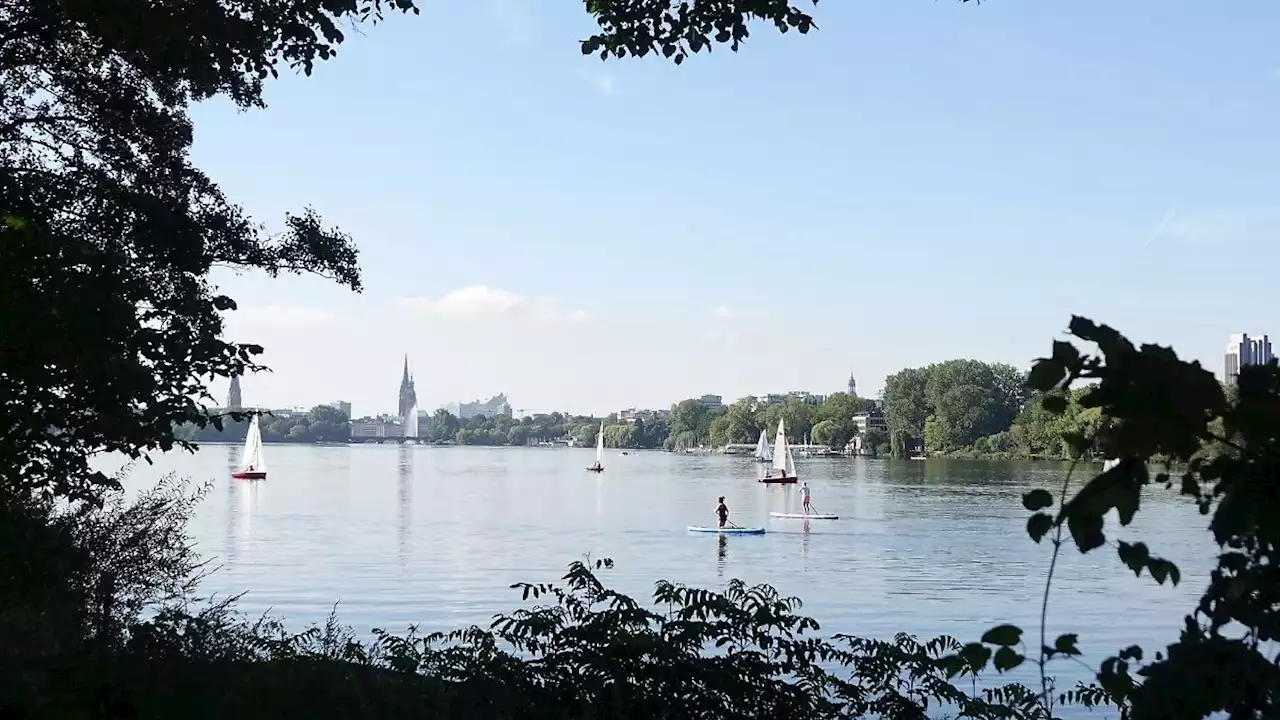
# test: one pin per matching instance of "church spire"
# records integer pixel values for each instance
(408, 394)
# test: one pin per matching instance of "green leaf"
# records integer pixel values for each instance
(1055, 404)
(1163, 570)
(1038, 525)
(1133, 555)
(1046, 374)
(1066, 644)
(1086, 530)
(1037, 500)
(975, 656)
(1005, 635)
(1007, 659)
(1133, 652)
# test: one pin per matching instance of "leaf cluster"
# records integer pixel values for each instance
(1224, 440)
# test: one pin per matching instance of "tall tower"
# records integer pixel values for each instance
(234, 400)
(853, 386)
(408, 396)
(1243, 350)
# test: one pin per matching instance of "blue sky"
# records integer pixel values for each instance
(918, 180)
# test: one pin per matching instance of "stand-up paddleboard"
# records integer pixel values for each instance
(728, 530)
(803, 516)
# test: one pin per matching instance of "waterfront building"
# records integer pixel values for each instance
(496, 405)
(711, 402)
(873, 420)
(343, 406)
(631, 415)
(1242, 350)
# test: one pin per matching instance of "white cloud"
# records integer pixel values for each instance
(723, 312)
(280, 316)
(477, 302)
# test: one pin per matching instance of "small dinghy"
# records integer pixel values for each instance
(728, 530)
(805, 516)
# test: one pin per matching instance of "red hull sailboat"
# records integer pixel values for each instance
(253, 465)
(783, 471)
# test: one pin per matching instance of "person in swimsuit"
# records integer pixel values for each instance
(722, 511)
(804, 495)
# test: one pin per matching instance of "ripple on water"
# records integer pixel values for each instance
(434, 536)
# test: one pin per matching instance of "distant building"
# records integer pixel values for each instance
(234, 399)
(408, 395)
(869, 421)
(711, 402)
(376, 428)
(631, 415)
(1244, 350)
(496, 405)
(803, 396)
(342, 406)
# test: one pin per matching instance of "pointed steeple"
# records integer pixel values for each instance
(408, 395)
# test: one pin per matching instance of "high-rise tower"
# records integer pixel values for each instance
(234, 401)
(1245, 350)
(408, 396)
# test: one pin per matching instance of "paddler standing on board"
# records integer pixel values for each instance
(722, 511)
(804, 495)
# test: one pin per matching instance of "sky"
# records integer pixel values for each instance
(916, 181)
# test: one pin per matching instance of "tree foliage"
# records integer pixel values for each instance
(1156, 405)
(111, 326)
(950, 405)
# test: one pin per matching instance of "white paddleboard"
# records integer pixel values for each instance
(728, 530)
(802, 516)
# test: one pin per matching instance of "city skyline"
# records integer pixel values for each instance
(925, 212)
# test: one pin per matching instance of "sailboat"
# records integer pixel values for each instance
(763, 454)
(783, 464)
(253, 466)
(599, 463)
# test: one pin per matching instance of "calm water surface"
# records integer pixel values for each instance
(434, 536)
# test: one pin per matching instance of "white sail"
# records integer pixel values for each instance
(252, 456)
(762, 448)
(600, 446)
(791, 464)
(411, 422)
(781, 451)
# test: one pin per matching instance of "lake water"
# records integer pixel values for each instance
(434, 536)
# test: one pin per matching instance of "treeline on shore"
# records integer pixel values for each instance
(957, 408)
(688, 424)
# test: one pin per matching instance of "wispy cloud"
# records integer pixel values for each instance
(280, 316)
(1216, 226)
(1163, 225)
(723, 312)
(480, 302)
(514, 20)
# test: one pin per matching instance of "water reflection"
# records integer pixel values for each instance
(404, 487)
(230, 540)
(804, 539)
(722, 551)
